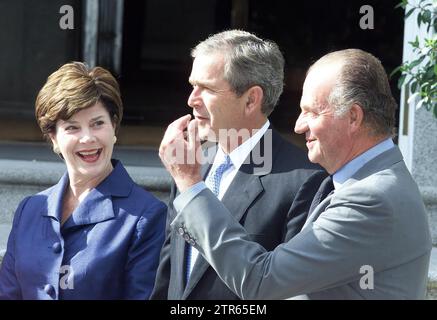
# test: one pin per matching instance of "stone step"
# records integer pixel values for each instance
(20, 178)
(432, 276)
(5, 229)
(139, 156)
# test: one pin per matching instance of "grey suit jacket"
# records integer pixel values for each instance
(369, 240)
(272, 207)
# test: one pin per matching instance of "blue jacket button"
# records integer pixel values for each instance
(49, 289)
(57, 248)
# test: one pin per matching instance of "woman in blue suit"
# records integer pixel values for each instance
(95, 234)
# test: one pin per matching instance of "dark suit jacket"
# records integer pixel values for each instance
(271, 206)
(111, 244)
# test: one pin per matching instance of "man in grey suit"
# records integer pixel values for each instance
(369, 239)
(266, 182)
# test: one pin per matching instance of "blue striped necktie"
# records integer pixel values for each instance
(213, 183)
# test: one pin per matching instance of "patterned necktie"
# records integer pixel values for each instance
(213, 183)
(214, 178)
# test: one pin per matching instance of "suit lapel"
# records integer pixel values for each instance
(178, 269)
(318, 210)
(178, 261)
(243, 190)
(201, 265)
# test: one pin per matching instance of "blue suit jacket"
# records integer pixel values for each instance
(107, 249)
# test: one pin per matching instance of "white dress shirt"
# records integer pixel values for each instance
(238, 156)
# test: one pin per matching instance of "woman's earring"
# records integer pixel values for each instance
(58, 152)
(115, 139)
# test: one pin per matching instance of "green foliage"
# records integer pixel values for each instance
(421, 74)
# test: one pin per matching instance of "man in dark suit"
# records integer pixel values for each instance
(266, 182)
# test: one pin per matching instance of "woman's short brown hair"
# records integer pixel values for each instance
(74, 87)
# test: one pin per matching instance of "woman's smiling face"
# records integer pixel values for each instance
(86, 142)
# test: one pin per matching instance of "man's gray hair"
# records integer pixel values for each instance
(363, 81)
(249, 61)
